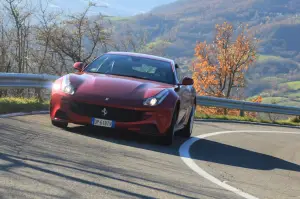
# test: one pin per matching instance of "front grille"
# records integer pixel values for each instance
(149, 129)
(116, 114)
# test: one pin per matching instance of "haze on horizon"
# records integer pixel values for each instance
(111, 7)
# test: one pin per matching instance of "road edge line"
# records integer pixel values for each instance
(187, 159)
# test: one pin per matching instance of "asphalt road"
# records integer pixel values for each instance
(40, 161)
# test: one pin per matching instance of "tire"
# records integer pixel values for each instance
(170, 134)
(188, 129)
(62, 125)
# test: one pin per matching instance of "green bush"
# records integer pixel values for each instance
(295, 119)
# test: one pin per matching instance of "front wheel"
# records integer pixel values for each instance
(169, 137)
(188, 129)
(62, 125)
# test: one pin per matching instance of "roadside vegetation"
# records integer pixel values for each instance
(219, 67)
(293, 121)
(14, 105)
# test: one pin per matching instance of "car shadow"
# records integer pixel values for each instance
(216, 152)
(128, 138)
(204, 150)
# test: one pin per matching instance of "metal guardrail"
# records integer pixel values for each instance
(247, 106)
(21, 80)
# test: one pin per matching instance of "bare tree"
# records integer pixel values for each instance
(129, 39)
(41, 55)
(4, 53)
(75, 39)
(5, 63)
(15, 34)
(20, 12)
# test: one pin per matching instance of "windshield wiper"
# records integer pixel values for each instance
(138, 77)
(133, 76)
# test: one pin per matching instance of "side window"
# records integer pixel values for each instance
(179, 73)
(98, 63)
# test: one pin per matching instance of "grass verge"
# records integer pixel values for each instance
(14, 105)
(290, 122)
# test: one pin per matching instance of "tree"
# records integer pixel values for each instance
(5, 41)
(219, 68)
(128, 39)
(76, 38)
(44, 59)
(20, 12)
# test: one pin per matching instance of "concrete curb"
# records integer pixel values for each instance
(246, 122)
(23, 114)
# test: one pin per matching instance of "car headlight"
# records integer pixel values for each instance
(69, 89)
(157, 99)
(65, 86)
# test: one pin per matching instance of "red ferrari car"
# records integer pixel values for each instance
(137, 92)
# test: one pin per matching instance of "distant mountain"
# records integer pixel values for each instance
(194, 20)
(276, 23)
(113, 7)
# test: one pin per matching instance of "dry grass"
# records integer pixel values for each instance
(295, 121)
(13, 105)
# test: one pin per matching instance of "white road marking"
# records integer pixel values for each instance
(186, 157)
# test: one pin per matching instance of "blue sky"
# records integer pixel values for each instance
(114, 7)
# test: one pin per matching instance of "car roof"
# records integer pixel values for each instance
(142, 55)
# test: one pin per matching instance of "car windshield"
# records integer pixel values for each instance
(133, 66)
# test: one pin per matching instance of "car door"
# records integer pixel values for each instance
(185, 98)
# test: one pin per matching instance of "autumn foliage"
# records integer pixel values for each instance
(219, 68)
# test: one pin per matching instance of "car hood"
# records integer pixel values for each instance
(91, 86)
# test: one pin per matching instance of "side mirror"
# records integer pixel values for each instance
(187, 81)
(78, 66)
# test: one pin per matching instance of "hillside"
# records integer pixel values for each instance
(275, 22)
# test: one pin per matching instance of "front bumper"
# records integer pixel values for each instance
(152, 121)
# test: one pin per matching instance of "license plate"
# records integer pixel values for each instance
(103, 123)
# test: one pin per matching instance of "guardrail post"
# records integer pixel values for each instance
(242, 113)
